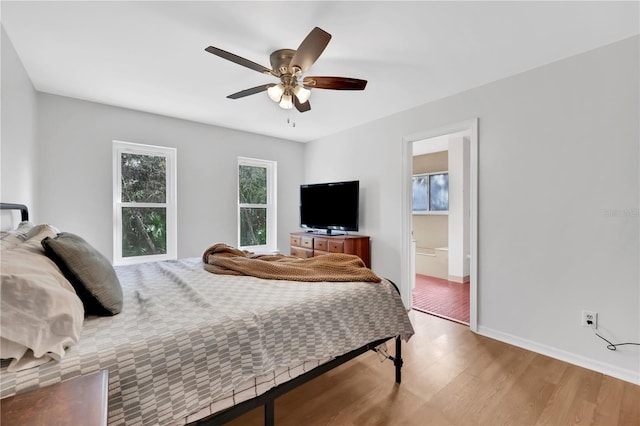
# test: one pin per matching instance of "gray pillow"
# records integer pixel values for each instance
(90, 273)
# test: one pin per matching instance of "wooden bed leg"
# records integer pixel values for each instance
(398, 359)
(269, 413)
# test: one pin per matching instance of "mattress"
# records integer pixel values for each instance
(188, 340)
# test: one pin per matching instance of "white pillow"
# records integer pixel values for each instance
(40, 313)
(13, 238)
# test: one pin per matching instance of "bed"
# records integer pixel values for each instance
(192, 347)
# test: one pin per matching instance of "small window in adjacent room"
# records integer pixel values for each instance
(431, 193)
(144, 193)
(257, 204)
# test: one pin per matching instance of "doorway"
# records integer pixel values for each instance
(458, 250)
(440, 226)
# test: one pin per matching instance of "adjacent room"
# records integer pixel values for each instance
(440, 234)
(318, 212)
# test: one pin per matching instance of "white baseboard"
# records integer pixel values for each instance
(458, 279)
(601, 367)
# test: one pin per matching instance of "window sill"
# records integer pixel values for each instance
(132, 260)
(434, 213)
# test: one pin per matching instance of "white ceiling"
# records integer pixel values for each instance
(150, 56)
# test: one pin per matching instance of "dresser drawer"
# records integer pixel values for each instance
(301, 252)
(306, 242)
(320, 244)
(336, 246)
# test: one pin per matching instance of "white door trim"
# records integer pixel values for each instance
(407, 166)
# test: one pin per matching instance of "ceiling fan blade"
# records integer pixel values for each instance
(310, 49)
(334, 83)
(302, 107)
(240, 60)
(251, 91)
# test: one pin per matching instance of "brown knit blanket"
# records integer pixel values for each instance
(223, 259)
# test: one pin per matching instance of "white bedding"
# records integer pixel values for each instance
(40, 313)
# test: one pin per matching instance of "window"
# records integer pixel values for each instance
(431, 193)
(257, 204)
(144, 193)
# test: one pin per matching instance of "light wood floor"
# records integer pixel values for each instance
(453, 377)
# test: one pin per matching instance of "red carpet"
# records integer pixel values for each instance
(442, 298)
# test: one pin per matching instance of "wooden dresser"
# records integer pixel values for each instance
(307, 244)
(78, 401)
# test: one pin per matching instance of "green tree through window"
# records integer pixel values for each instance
(144, 178)
(253, 191)
(144, 229)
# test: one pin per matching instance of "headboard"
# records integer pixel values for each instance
(24, 211)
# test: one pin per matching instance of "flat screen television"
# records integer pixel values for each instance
(330, 206)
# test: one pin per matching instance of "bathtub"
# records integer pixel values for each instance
(433, 262)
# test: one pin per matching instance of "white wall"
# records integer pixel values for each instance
(18, 135)
(459, 201)
(558, 158)
(430, 230)
(75, 171)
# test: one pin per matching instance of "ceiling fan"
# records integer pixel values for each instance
(289, 66)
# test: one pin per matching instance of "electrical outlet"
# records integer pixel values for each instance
(589, 316)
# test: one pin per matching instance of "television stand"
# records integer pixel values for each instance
(332, 232)
(308, 244)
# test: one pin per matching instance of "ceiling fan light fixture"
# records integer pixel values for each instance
(289, 66)
(302, 94)
(287, 101)
(275, 92)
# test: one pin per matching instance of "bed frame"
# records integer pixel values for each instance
(24, 212)
(268, 398)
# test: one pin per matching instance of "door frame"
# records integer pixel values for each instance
(407, 166)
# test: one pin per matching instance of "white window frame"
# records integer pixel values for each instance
(119, 148)
(271, 206)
